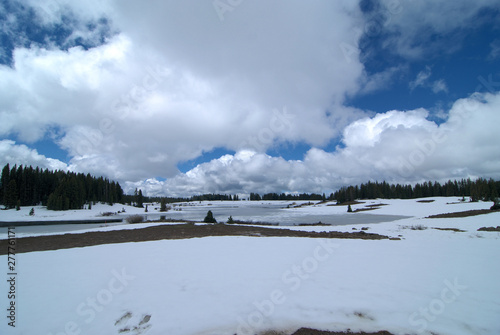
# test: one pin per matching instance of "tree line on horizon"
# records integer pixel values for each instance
(479, 189)
(58, 190)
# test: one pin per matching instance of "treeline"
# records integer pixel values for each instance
(480, 189)
(285, 196)
(133, 199)
(58, 190)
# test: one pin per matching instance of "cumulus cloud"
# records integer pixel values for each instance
(397, 146)
(13, 153)
(176, 81)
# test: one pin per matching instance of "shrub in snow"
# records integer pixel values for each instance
(32, 212)
(135, 219)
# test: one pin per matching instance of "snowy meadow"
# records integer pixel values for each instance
(434, 276)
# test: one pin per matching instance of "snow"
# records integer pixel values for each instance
(430, 281)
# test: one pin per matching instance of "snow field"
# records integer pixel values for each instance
(430, 281)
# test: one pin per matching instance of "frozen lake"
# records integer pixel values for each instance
(275, 213)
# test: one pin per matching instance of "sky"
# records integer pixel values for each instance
(231, 96)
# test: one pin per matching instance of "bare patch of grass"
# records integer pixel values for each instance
(273, 332)
(415, 227)
(489, 229)
(451, 229)
(363, 316)
(308, 331)
(461, 214)
(135, 219)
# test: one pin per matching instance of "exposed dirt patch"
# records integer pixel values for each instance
(308, 331)
(451, 229)
(313, 224)
(425, 201)
(489, 229)
(166, 232)
(369, 208)
(461, 214)
(348, 203)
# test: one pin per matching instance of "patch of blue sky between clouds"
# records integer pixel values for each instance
(289, 151)
(206, 156)
(449, 74)
(46, 147)
(23, 27)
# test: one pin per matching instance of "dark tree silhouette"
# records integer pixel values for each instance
(209, 218)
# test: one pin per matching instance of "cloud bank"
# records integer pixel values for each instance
(396, 146)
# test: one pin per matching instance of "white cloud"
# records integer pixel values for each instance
(16, 154)
(421, 79)
(439, 86)
(381, 80)
(397, 146)
(495, 50)
(415, 22)
(176, 81)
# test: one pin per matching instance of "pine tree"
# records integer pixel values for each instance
(209, 218)
(10, 195)
(349, 209)
(4, 182)
(163, 206)
(140, 199)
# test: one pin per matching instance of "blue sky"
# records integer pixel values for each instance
(200, 100)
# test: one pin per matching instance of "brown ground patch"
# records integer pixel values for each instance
(489, 229)
(425, 201)
(451, 229)
(166, 232)
(307, 331)
(355, 202)
(461, 214)
(368, 208)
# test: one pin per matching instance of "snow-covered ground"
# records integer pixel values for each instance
(429, 282)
